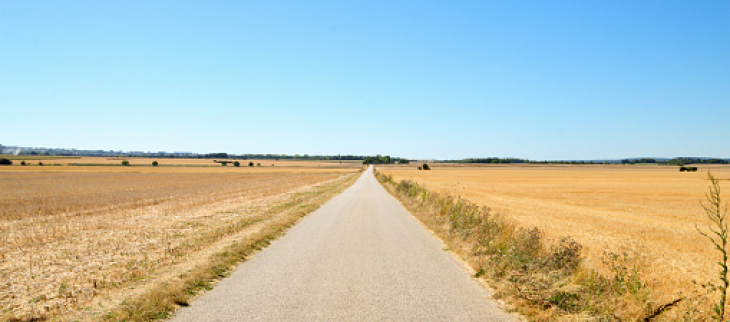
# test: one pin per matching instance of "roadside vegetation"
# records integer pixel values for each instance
(718, 234)
(549, 281)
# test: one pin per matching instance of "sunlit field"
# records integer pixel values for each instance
(171, 165)
(76, 236)
(645, 211)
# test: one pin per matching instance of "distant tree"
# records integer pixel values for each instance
(5, 162)
(426, 167)
(40, 163)
(154, 163)
(380, 159)
(220, 155)
(125, 163)
(420, 168)
(250, 164)
(236, 164)
(22, 162)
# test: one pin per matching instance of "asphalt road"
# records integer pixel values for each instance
(360, 257)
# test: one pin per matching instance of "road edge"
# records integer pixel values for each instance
(167, 297)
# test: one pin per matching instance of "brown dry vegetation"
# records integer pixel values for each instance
(646, 212)
(85, 162)
(75, 242)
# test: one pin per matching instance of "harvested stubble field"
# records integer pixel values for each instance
(178, 164)
(75, 244)
(647, 212)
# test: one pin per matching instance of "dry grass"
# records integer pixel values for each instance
(193, 166)
(34, 157)
(69, 239)
(29, 194)
(648, 211)
(32, 161)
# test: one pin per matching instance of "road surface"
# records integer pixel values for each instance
(360, 257)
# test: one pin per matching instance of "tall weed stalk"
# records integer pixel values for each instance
(717, 233)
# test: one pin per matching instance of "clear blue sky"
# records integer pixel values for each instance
(419, 79)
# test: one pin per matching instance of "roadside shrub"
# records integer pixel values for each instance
(564, 256)
(420, 168)
(426, 167)
(40, 163)
(236, 164)
(250, 164)
(626, 274)
(258, 164)
(154, 163)
(125, 163)
(5, 162)
(386, 178)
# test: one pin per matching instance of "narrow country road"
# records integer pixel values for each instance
(360, 257)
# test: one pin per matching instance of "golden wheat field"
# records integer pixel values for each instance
(74, 238)
(647, 211)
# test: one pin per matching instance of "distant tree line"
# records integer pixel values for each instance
(675, 161)
(253, 156)
(384, 159)
(678, 161)
(682, 161)
(632, 161)
(515, 160)
(378, 159)
(490, 160)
